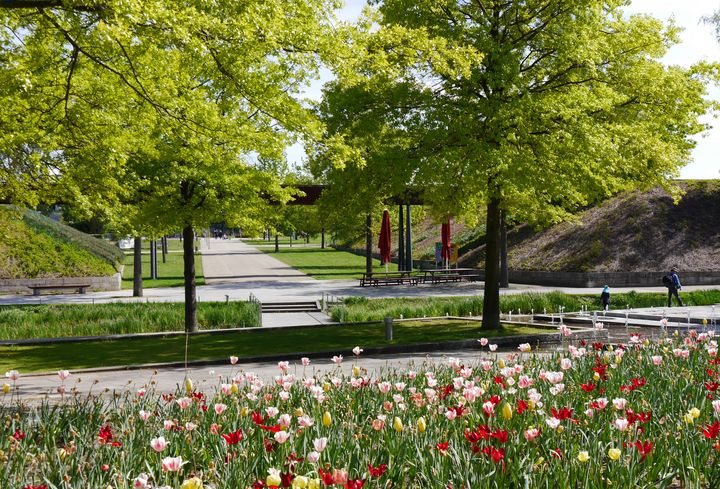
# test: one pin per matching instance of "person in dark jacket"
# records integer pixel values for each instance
(673, 287)
(605, 298)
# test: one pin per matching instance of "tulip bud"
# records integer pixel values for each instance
(507, 411)
(299, 412)
(397, 424)
(188, 385)
(326, 419)
(618, 360)
(501, 363)
(326, 387)
(6, 388)
(421, 425)
(646, 342)
(356, 371)
(704, 322)
(244, 411)
(610, 348)
(234, 389)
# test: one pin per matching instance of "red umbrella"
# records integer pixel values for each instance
(446, 242)
(384, 242)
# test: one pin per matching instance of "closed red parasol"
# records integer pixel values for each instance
(446, 242)
(384, 242)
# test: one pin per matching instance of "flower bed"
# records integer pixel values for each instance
(641, 415)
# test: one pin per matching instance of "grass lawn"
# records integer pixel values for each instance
(170, 274)
(326, 264)
(251, 342)
(284, 241)
(62, 320)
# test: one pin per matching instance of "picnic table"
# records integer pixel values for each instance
(441, 275)
(388, 278)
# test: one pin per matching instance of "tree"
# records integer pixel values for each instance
(192, 103)
(533, 107)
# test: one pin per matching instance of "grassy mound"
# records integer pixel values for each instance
(34, 246)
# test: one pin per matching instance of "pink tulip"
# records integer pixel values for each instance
(313, 457)
(319, 444)
(531, 434)
(305, 421)
(716, 406)
(63, 374)
(488, 408)
(220, 408)
(357, 351)
(305, 361)
(621, 424)
(602, 402)
(384, 387)
(233, 360)
(553, 422)
(184, 402)
(272, 411)
(282, 436)
(492, 347)
(141, 481)
(284, 396)
(61, 390)
(656, 360)
(283, 366)
(190, 426)
(13, 375)
(284, 420)
(451, 414)
(158, 444)
(400, 386)
(483, 341)
(172, 464)
(340, 476)
(565, 364)
(619, 403)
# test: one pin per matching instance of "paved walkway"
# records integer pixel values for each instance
(230, 261)
(32, 388)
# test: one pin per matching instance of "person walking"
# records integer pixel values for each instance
(605, 298)
(673, 285)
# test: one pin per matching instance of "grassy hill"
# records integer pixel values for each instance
(634, 231)
(34, 246)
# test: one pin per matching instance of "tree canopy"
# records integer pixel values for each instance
(535, 107)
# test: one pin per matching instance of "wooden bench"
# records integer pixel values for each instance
(390, 278)
(80, 288)
(449, 275)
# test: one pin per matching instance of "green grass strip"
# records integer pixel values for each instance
(340, 339)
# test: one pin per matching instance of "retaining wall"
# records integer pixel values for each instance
(11, 286)
(613, 279)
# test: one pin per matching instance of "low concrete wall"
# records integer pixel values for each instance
(10, 286)
(613, 279)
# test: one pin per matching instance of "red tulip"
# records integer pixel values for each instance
(711, 431)
(233, 438)
(377, 471)
(354, 483)
(643, 448)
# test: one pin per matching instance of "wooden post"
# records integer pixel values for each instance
(137, 268)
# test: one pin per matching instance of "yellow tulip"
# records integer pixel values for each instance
(397, 424)
(327, 419)
(188, 385)
(299, 412)
(244, 411)
(234, 389)
(421, 425)
(614, 454)
(326, 387)
(689, 419)
(704, 322)
(646, 342)
(531, 405)
(356, 371)
(618, 360)
(596, 376)
(610, 348)
(695, 412)
(192, 483)
(314, 484)
(507, 411)
(583, 456)
(300, 482)
(273, 480)
(6, 388)
(501, 363)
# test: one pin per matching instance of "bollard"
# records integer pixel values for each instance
(388, 328)
(227, 298)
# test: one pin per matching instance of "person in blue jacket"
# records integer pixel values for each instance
(605, 298)
(674, 286)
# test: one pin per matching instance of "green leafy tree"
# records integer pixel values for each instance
(534, 107)
(159, 115)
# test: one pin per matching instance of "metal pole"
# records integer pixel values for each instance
(368, 244)
(408, 241)
(401, 240)
(388, 328)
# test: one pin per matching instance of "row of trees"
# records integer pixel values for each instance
(161, 115)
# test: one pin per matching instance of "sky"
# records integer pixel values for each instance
(698, 43)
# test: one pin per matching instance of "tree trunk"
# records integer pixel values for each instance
(164, 249)
(368, 244)
(189, 273)
(322, 238)
(137, 268)
(408, 240)
(504, 278)
(491, 300)
(277, 244)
